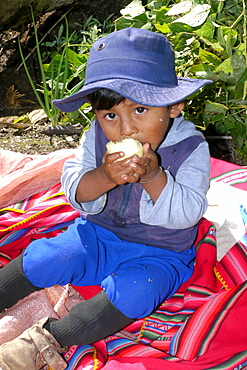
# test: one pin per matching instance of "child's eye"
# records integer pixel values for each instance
(110, 116)
(140, 110)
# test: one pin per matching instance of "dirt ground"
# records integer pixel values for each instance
(35, 140)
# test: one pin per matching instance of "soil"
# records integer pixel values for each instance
(34, 140)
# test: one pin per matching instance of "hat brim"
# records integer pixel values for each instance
(140, 93)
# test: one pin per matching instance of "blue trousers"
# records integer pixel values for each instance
(136, 277)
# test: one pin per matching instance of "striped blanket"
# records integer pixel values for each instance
(44, 214)
(202, 326)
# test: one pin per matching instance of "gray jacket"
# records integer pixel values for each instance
(184, 196)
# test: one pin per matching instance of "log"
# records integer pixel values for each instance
(17, 13)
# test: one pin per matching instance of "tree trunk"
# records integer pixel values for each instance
(16, 13)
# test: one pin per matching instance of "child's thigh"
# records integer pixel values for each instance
(70, 257)
(138, 289)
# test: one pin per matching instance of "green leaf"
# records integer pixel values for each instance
(122, 23)
(147, 26)
(73, 115)
(196, 17)
(186, 44)
(209, 57)
(218, 117)
(53, 67)
(229, 123)
(241, 88)
(201, 68)
(161, 16)
(239, 92)
(241, 103)
(208, 75)
(60, 31)
(214, 45)
(133, 9)
(204, 71)
(213, 107)
(180, 27)
(220, 37)
(141, 21)
(227, 38)
(76, 59)
(48, 44)
(180, 8)
(229, 44)
(207, 31)
(142, 17)
(240, 49)
(164, 28)
(220, 6)
(239, 134)
(233, 68)
(218, 121)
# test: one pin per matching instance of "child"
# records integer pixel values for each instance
(139, 215)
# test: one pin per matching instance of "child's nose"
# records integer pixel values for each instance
(127, 127)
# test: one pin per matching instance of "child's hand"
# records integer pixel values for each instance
(119, 171)
(131, 169)
(146, 167)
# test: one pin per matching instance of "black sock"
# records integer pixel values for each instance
(88, 322)
(13, 284)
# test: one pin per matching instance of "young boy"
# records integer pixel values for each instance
(139, 215)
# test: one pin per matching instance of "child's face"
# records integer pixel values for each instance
(129, 119)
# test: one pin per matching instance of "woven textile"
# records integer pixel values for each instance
(198, 328)
(44, 214)
(202, 326)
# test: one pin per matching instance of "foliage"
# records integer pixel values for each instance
(91, 30)
(55, 77)
(81, 40)
(65, 73)
(209, 40)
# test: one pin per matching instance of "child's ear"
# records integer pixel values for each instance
(176, 109)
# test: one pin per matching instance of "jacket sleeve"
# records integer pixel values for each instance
(75, 168)
(183, 201)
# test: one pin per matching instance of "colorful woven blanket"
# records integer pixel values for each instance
(202, 326)
(44, 214)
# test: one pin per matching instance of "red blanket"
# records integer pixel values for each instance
(203, 326)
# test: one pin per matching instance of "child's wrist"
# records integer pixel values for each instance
(153, 178)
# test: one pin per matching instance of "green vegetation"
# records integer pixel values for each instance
(210, 41)
(65, 73)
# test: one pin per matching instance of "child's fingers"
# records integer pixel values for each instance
(132, 177)
(139, 168)
(111, 158)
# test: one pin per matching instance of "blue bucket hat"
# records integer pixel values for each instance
(139, 65)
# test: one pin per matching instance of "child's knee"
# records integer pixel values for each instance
(43, 265)
(137, 292)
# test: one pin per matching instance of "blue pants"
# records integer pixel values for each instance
(136, 277)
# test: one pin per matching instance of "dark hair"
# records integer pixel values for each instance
(104, 99)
